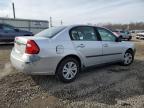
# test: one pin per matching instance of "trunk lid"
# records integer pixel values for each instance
(20, 43)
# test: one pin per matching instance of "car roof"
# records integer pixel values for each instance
(75, 25)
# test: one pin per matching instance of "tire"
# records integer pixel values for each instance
(121, 37)
(68, 70)
(128, 58)
(129, 38)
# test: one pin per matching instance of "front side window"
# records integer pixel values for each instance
(106, 35)
(50, 32)
(83, 34)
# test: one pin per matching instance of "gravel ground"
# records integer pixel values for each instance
(109, 86)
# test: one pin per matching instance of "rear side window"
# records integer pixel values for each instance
(49, 33)
(8, 28)
(83, 34)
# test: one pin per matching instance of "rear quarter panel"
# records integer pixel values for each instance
(50, 55)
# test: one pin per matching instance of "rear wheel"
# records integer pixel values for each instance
(128, 58)
(68, 70)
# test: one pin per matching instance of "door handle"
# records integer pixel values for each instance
(81, 46)
(105, 45)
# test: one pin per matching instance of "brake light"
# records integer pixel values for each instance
(32, 47)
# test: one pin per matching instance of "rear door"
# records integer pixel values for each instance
(86, 43)
(112, 50)
(8, 33)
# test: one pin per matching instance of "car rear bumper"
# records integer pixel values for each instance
(17, 63)
(35, 67)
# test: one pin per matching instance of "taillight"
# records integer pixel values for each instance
(32, 47)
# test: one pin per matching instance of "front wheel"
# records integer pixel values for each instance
(68, 70)
(128, 58)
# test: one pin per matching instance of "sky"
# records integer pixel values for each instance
(76, 11)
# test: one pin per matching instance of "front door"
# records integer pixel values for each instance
(8, 33)
(112, 50)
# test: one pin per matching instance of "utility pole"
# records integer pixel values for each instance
(13, 10)
(51, 22)
(128, 27)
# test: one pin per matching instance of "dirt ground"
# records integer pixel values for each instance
(109, 86)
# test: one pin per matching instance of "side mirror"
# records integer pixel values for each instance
(17, 30)
(118, 39)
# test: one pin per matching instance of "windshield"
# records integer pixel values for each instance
(122, 31)
(50, 32)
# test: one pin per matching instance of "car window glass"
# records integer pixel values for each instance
(106, 35)
(122, 31)
(83, 34)
(50, 32)
(7, 28)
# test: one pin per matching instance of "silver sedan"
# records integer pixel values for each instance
(63, 51)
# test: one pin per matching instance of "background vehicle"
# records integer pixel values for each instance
(140, 36)
(8, 33)
(31, 25)
(123, 34)
(63, 51)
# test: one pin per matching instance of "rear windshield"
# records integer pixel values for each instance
(50, 32)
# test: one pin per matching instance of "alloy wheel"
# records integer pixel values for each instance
(128, 58)
(70, 69)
